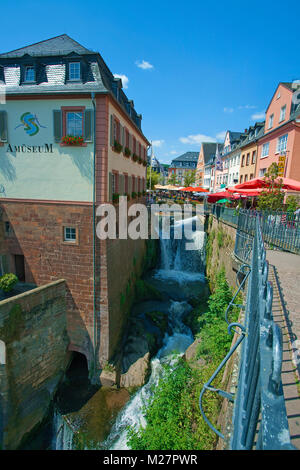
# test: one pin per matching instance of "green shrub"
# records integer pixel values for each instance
(8, 282)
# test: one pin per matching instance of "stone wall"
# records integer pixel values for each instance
(219, 250)
(37, 234)
(33, 358)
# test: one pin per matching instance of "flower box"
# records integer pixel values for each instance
(72, 140)
(127, 152)
(117, 147)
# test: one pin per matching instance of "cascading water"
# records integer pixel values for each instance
(183, 266)
(179, 275)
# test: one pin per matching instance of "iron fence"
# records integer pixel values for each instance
(259, 417)
(280, 230)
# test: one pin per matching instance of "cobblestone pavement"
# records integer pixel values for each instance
(285, 276)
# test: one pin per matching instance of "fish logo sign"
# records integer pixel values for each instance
(30, 123)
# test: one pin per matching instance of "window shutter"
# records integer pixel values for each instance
(57, 125)
(88, 125)
(122, 131)
(130, 142)
(110, 187)
(3, 126)
(121, 184)
(111, 130)
(129, 186)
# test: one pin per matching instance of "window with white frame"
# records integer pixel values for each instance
(74, 121)
(281, 143)
(29, 74)
(74, 71)
(282, 113)
(265, 150)
(271, 119)
(262, 171)
(70, 234)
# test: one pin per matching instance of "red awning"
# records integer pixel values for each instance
(246, 192)
(221, 195)
(287, 183)
(198, 189)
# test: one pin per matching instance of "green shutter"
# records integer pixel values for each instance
(3, 126)
(110, 187)
(129, 186)
(57, 125)
(88, 125)
(111, 130)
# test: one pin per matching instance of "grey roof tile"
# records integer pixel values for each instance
(59, 45)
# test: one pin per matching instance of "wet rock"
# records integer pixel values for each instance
(137, 373)
(190, 355)
(108, 378)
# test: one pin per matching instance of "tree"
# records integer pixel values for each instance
(291, 203)
(156, 178)
(189, 178)
(173, 179)
(272, 197)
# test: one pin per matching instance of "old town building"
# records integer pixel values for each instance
(249, 149)
(70, 140)
(281, 140)
(182, 165)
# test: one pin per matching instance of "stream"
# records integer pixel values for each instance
(179, 277)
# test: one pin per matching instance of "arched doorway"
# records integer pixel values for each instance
(76, 389)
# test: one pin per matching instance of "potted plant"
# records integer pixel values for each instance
(144, 162)
(133, 194)
(115, 198)
(140, 160)
(135, 157)
(127, 152)
(117, 147)
(8, 282)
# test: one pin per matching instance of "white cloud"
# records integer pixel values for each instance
(258, 116)
(173, 152)
(144, 65)
(228, 110)
(247, 106)
(124, 79)
(196, 139)
(221, 135)
(157, 143)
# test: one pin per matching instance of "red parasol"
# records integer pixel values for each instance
(287, 183)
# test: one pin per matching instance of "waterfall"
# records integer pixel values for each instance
(180, 271)
(182, 266)
(175, 343)
(62, 433)
(175, 252)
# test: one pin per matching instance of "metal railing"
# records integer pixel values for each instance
(259, 418)
(280, 229)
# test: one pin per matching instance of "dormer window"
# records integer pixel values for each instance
(282, 113)
(74, 71)
(29, 75)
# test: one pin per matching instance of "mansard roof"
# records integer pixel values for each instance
(50, 59)
(209, 150)
(58, 46)
(187, 157)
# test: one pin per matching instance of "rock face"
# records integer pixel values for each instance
(108, 378)
(190, 355)
(137, 373)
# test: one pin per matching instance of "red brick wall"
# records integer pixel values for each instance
(38, 235)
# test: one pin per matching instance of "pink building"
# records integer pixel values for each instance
(221, 176)
(281, 140)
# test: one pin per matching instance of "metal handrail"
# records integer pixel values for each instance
(259, 391)
(207, 385)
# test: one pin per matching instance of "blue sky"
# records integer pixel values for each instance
(207, 66)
